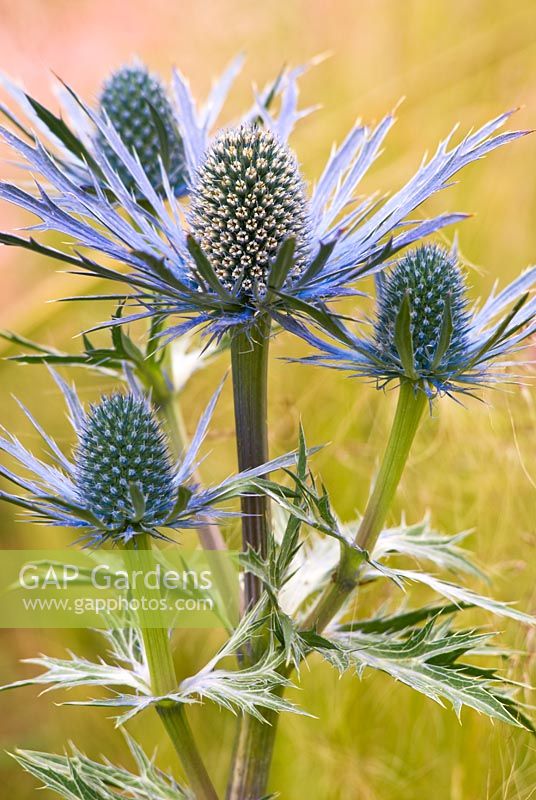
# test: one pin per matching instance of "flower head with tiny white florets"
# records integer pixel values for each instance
(247, 199)
(250, 244)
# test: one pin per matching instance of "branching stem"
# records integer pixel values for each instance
(256, 741)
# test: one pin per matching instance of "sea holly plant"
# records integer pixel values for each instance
(122, 487)
(142, 110)
(137, 105)
(77, 776)
(216, 244)
(430, 344)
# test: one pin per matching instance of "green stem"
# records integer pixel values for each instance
(249, 359)
(256, 740)
(253, 757)
(410, 406)
(162, 673)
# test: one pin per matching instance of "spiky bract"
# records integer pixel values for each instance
(122, 446)
(425, 332)
(138, 107)
(121, 481)
(247, 199)
(248, 205)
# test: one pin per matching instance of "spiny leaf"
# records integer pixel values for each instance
(324, 319)
(282, 264)
(456, 593)
(205, 270)
(501, 331)
(72, 777)
(181, 503)
(317, 264)
(163, 138)
(58, 127)
(422, 543)
(426, 660)
(402, 621)
(137, 499)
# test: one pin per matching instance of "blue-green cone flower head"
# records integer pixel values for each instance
(426, 331)
(422, 322)
(124, 474)
(121, 480)
(248, 197)
(137, 105)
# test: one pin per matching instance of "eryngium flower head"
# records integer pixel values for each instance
(90, 142)
(429, 282)
(425, 332)
(121, 481)
(231, 279)
(122, 456)
(137, 105)
(247, 199)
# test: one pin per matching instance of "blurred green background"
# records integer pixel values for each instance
(474, 467)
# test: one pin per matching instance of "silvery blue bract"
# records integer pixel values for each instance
(121, 480)
(335, 239)
(425, 331)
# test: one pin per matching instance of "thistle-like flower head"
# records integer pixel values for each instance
(429, 284)
(248, 198)
(136, 114)
(424, 330)
(121, 480)
(136, 103)
(251, 244)
(124, 472)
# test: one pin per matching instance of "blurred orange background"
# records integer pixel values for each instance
(454, 61)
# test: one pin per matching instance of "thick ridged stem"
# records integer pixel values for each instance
(253, 757)
(249, 359)
(256, 741)
(162, 674)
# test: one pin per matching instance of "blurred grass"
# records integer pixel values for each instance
(465, 61)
